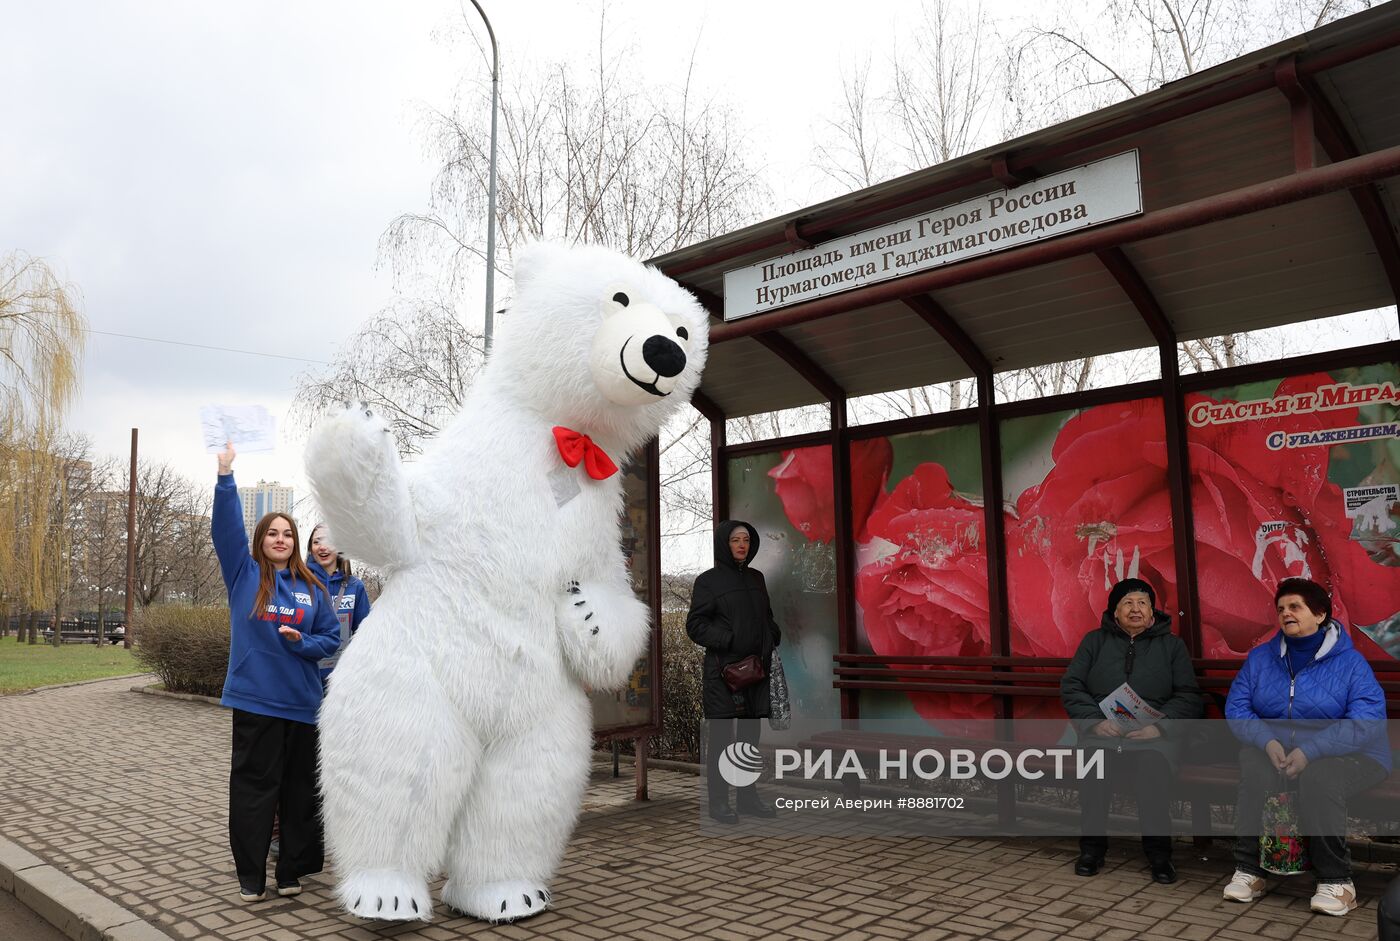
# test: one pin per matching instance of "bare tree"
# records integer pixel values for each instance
(1071, 61)
(103, 537)
(587, 155)
(159, 495)
(852, 151)
(412, 363)
(72, 486)
(194, 569)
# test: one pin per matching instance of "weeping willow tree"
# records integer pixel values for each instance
(41, 344)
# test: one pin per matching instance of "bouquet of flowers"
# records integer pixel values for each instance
(1281, 848)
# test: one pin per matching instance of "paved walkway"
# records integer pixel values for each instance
(128, 794)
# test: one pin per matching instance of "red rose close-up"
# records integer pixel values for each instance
(928, 595)
(803, 482)
(1102, 513)
(1262, 515)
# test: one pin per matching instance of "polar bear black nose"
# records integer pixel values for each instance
(663, 355)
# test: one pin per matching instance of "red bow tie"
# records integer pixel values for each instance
(575, 446)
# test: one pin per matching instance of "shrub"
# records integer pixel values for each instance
(682, 716)
(187, 648)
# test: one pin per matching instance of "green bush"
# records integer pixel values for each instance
(187, 648)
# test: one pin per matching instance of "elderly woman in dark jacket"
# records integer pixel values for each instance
(731, 618)
(1134, 644)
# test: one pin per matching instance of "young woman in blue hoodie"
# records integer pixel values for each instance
(281, 625)
(347, 593)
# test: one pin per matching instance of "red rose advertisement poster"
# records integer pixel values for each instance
(787, 497)
(1274, 467)
(1299, 476)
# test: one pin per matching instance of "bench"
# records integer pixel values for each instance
(114, 635)
(1211, 779)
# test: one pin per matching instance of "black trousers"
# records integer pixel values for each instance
(1323, 789)
(273, 774)
(1152, 776)
(722, 735)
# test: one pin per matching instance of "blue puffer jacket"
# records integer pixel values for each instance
(1338, 684)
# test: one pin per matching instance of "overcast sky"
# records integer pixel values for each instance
(220, 174)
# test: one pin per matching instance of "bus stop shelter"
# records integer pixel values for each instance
(942, 565)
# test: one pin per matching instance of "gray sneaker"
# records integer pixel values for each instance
(1244, 887)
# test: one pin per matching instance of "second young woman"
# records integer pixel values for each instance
(347, 593)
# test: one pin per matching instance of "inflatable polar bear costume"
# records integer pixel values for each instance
(456, 732)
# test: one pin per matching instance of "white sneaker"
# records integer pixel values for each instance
(1244, 887)
(1334, 898)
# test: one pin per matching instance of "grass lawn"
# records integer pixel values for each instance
(23, 666)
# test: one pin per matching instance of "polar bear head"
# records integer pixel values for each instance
(599, 342)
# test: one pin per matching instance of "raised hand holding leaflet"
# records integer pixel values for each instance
(250, 427)
(1129, 710)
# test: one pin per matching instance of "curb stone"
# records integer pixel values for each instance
(100, 679)
(155, 690)
(78, 911)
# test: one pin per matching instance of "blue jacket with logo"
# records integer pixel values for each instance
(268, 674)
(1337, 686)
(350, 603)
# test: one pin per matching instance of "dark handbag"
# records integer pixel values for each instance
(743, 674)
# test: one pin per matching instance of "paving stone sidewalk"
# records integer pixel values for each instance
(128, 794)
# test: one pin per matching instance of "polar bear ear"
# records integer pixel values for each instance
(531, 260)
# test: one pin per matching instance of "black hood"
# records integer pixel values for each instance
(723, 557)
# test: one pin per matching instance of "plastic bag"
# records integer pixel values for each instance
(1281, 847)
(779, 709)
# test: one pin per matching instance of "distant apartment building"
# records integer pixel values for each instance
(263, 498)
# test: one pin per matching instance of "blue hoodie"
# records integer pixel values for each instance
(268, 674)
(348, 600)
(1332, 706)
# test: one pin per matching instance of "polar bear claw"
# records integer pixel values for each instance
(386, 895)
(498, 902)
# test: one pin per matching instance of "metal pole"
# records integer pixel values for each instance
(491, 184)
(130, 543)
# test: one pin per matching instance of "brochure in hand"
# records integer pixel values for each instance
(1129, 710)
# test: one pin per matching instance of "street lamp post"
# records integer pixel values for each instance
(491, 185)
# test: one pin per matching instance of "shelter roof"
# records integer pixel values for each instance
(1265, 202)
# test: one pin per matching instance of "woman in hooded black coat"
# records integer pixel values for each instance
(730, 616)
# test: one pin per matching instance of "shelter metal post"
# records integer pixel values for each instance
(658, 717)
(1178, 461)
(993, 526)
(845, 547)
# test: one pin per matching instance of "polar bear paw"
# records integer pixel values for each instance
(576, 613)
(602, 633)
(497, 901)
(387, 895)
(353, 428)
(357, 480)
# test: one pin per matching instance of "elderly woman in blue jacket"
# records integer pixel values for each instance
(1307, 707)
(280, 627)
